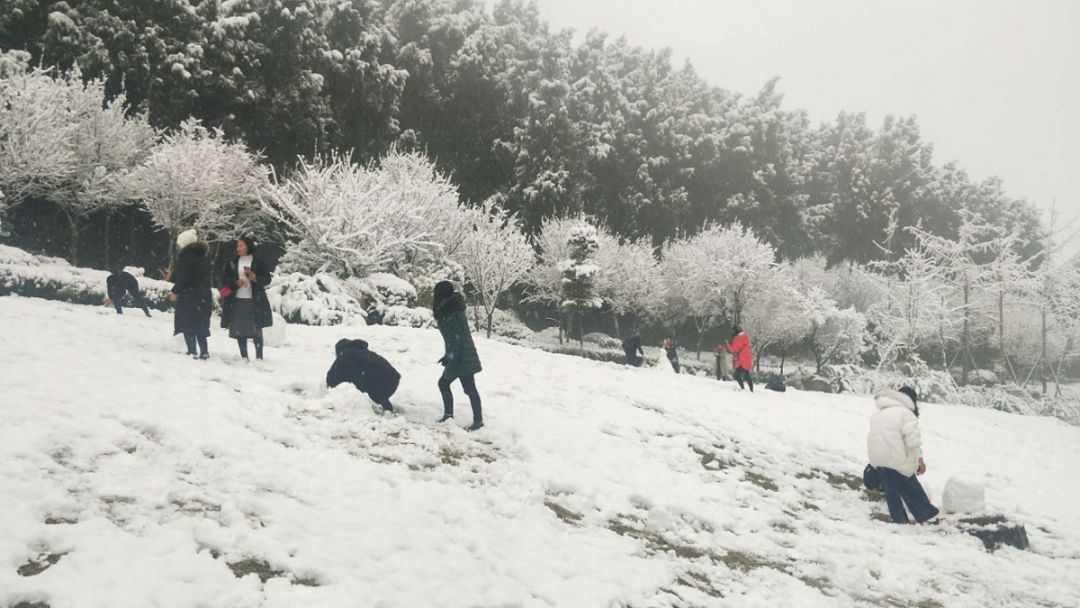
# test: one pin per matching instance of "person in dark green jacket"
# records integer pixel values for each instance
(460, 361)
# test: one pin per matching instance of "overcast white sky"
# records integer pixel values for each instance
(995, 84)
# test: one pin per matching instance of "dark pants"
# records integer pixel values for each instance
(743, 375)
(634, 360)
(900, 490)
(136, 298)
(382, 396)
(469, 384)
(242, 342)
(191, 340)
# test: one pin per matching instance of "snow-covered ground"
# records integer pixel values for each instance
(137, 477)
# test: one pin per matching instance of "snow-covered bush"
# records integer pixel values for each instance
(383, 289)
(505, 324)
(405, 316)
(931, 385)
(24, 274)
(603, 340)
(314, 300)
(424, 273)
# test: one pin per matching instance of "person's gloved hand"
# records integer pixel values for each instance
(442, 361)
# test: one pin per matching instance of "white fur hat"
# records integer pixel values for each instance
(186, 238)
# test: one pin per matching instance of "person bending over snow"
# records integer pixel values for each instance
(367, 371)
(120, 284)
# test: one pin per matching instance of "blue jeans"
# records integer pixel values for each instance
(900, 490)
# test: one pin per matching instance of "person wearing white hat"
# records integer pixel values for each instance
(191, 293)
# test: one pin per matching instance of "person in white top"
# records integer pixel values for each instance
(895, 449)
(245, 309)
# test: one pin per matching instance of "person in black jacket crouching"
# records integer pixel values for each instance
(367, 371)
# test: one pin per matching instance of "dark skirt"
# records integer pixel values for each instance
(242, 324)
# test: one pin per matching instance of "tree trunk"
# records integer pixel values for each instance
(107, 236)
(783, 356)
(618, 332)
(966, 346)
(172, 249)
(1045, 361)
(562, 327)
(581, 332)
(73, 245)
(490, 315)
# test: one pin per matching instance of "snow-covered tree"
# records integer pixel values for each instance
(837, 335)
(913, 307)
(75, 164)
(1050, 292)
(629, 278)
(544, 280)
(715, 273)
(961, 261)
(777, 317)
(352, 220)
(196, 179)
(37, 133)
(495, 255)
(579, 272)
(1004, 281)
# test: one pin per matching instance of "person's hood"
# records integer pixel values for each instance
(346, 344)
(454, 303)
(186, 238)
(198, 248)
(893, 398)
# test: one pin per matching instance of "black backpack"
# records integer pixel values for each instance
(871, 478)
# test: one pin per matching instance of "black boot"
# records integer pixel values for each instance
(476, 426)
(444, 418)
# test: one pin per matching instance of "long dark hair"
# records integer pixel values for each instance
(250, 242)
(440, 296)
(910, 392)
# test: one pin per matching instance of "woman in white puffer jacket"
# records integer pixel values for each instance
(895, 449)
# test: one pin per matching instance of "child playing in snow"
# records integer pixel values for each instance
(367, 371)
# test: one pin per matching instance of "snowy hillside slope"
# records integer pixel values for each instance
(131, 476)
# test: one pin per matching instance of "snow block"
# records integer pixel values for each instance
(963, 497)
(995, 531)
(275, 334)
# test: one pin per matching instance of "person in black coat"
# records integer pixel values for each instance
(245, 309)
(368, 372)
(191, 293)
(635, 354)
(119, 284)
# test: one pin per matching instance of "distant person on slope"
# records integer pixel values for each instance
(635, 354)
(191, 293)
(895, 449)
(743, 359)
(367, 371)
(672, 353)
(120, 284)
(460, 361)
(245, 309)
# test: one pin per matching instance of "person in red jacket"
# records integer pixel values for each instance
(739, 346)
